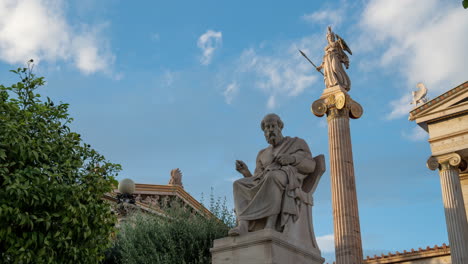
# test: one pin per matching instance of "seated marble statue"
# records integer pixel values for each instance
(284, 176)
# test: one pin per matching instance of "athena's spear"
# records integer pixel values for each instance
(305, 56)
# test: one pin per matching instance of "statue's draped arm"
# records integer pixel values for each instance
(258, 164)
(343, 47)
(344, 58)
(304, 162)
(320, 67)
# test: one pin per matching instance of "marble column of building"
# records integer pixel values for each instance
(339, 107)
(455, 214)
(464, 186)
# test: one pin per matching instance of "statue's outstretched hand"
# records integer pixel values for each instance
(242, 168)
(286, 159)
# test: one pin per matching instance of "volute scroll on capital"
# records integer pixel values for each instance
(445, 162)
(339, 104)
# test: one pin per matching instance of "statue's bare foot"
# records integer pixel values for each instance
(271, 222)
(234, 232)
(241, 229)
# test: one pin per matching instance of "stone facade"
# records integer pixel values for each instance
(153, 198)
(445, 118)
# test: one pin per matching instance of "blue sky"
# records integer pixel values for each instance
(157, 85)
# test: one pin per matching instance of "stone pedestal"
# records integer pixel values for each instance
(339, 107)
(455, 215)
(263, 247)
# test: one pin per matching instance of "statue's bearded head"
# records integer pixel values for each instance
(272, 126)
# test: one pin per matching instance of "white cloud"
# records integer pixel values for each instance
(89, 57)
(425, 42)
(168, 78)
(326, 243)
(283, 72)
(332, 17)
(271, 102)
(208, 43)
(231, 91)
(155, 37)
(416, 134)
(400, 107)
(38, 29)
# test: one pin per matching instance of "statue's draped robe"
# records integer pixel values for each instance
(334, 73)
(275, 189)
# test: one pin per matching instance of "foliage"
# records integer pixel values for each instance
(51, 184)
(465, 4)
(218, 207)
(181, 237)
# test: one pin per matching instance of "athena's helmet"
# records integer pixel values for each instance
(330, 34)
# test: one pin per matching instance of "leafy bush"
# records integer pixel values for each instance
(181, 237)
(51, 184)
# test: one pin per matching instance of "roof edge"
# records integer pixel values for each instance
(443, 250)
(435, 100)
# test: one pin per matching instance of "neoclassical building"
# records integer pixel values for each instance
(445, 119)
(429, 255)
(153, 198)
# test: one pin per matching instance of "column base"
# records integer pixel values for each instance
(262, 247)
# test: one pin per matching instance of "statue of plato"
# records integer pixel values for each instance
(278, 193)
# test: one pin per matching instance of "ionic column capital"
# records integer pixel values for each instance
(446, 162)
(338, 104)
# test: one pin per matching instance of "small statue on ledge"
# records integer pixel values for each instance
(176, 178)
(419, 96)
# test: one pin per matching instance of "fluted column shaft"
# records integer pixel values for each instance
(464, 187)
(347, 233)
(455, 214)
(336, 103)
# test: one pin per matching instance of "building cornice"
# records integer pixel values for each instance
(176, 190)
(439, 100)
(397, 257)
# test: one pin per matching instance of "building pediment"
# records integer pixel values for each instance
(445, 118)
(447, 105)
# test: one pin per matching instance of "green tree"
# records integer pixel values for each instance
(51, 183)
(182, 237)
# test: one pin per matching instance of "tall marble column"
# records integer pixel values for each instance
(464, 186)
(339, 107)
(455, 214)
